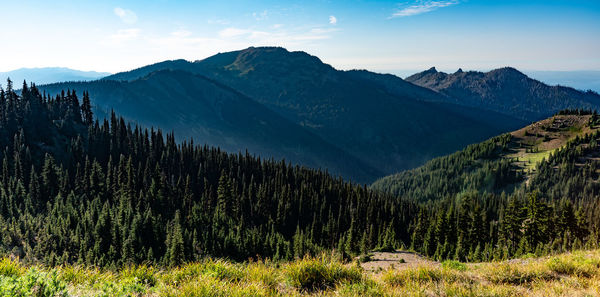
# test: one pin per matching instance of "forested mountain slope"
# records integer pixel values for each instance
(503, 163)
(211, 113)
(505, 90)
(384, 131)
(388, 131)
(75, 190)
(535, 189)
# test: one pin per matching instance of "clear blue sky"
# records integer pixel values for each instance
(392, 36)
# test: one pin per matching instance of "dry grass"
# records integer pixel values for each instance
(571, 274)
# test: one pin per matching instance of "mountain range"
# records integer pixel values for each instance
(505, 90)
(358, 124)
(110, 193)
(138, 196)
(291, 105)
(48, 75)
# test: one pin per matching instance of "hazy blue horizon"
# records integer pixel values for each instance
(113, 36)
(578, 79)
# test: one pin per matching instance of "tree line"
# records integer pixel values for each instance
(104, 192)
(77, 189)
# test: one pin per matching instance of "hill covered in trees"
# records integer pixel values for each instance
(330, 119)
(505, 90)
(500, 164)
(75, 190)
(535, 189)
(211, 113)
(78, 190)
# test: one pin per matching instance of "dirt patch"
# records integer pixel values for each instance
(381, 261)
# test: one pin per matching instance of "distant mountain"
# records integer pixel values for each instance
(390, 130)
(505, 90)
(312, 108)
(146, 70)
(49, 75)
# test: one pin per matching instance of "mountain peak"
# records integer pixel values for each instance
(276, 55)
(508, 69)
(269, 61)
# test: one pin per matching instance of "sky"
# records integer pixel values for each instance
(385, 36)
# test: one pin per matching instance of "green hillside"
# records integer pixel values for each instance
(531, 190)
(501, 164)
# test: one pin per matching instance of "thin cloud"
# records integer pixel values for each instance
(323, 30)
(126, 15)
(332, 20)
(218, 22)
(233, 32)
(123, 35)
(277, 36)
(260, 16)
(420, 7)
(181, 33)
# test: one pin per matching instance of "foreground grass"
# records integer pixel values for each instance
(573, 274)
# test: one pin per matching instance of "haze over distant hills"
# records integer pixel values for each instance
(317, 116)
(49, 75)
(581, 80)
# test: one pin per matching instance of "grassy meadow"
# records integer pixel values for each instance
(572, 274)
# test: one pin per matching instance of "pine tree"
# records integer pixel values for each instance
(86, 109)
(175, 248)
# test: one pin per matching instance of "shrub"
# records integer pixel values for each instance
(10, 268)
(33, 283)
(142, 274)
(576, 265)
(267, 275)
(310, 274)
(364, 258)
(454, 265)
(219, 269)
